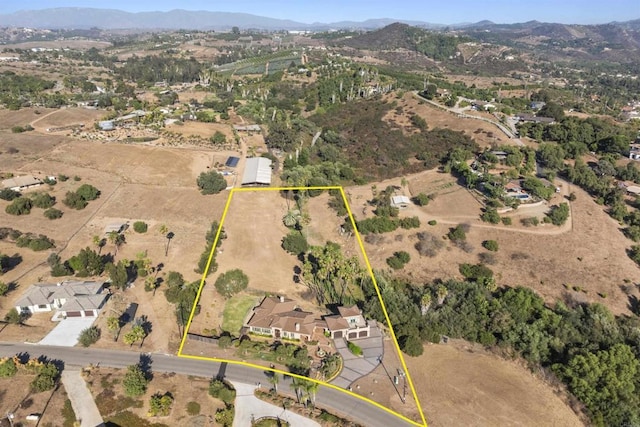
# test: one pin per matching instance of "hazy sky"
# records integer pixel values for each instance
(434, 11)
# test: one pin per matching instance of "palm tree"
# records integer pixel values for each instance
(116, 239)
(113, 324)
(99, 242)
(442, 293)
(311, 388)
(274, 379)
(291, 218)
(425, 303)
(297, 386)
(170, 236)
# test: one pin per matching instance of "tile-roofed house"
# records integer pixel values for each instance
(68, 299)
(348, 323)
(280, 317)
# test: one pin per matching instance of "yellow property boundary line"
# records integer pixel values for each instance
(370, 271)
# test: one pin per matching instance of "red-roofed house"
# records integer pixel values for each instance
(281, 317)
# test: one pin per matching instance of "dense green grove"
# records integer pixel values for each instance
(592, 351)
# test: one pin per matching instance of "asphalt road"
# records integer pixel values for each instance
(360, 410)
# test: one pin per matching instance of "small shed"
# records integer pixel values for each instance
(633, 189)
(247, 128)
(257, 172)
(117, 227)
(106, 125)
(232, 162)
(400, 202)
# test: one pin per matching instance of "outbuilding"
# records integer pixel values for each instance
(21, 182)
(257, 172)
(400, 202)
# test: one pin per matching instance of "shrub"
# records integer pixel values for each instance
(88, 192)
(432, 222)
(506, 220)
(408, 223)
(398, 260)
(488, 258)
(135, 381)
(211, 182)
(140, 227)
(19, 206)
(231, 282)
(223, 391)
(224, 416)
(558, 214)
(354, 349)
(160, 405)
(35, 243)
(53, 213)
(490, 215)
(89, 336)
(9, 194)
(411, 345)
(490, 245)
(63, 178)
(377, 224)
(530, 221)
(193, 408)
(457, 234)
(219, 138)
(8, 367)
(46, 378)
(77, 178)
(421, 199)
(428, 244)
(42, 200)
(476, 272)
(74, 201)
(295, 243)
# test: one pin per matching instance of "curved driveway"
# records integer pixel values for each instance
(343, 403)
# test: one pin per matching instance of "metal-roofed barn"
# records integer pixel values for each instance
(21, 182)
(257, 172)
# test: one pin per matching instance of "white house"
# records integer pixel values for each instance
(68, 299)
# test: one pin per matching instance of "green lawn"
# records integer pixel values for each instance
(235, 310)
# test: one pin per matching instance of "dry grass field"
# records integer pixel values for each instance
(584, 261)
(17, 398)
(106, 386)
(587, 253)
(485, 134)
(254, 231)
(462, 384)
(152, 184)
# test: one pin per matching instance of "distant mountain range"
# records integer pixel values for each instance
(109, 19)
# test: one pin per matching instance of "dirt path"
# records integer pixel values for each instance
(33, 122)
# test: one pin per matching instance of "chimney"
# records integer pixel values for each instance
(281, 298)
(297, 327)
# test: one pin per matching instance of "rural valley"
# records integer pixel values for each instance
(217, 222)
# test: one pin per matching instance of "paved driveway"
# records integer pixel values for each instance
(355, 367)
(81, 399)
(249, 407)
(66, 333)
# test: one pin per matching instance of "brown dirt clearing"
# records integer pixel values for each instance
(462, 384)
